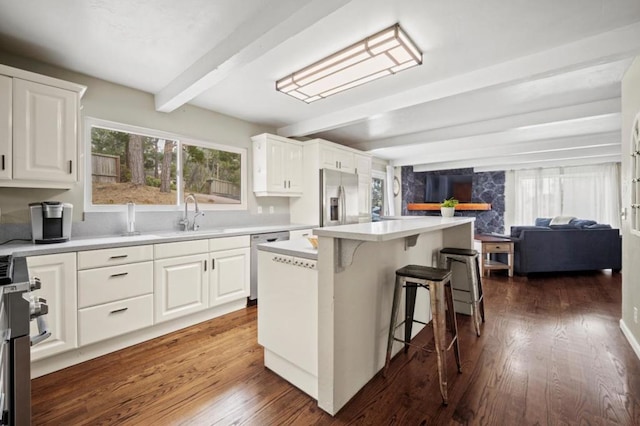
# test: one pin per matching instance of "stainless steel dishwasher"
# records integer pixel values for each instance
(255, 240)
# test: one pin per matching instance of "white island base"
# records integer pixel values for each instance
(356, 272)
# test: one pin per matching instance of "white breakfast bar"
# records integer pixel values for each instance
(347, 329)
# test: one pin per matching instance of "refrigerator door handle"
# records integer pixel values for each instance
(343, 201)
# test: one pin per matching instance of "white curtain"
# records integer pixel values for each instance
(586, 192)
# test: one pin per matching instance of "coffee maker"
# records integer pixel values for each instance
(50, 222)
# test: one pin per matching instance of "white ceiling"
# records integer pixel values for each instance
(503, 84)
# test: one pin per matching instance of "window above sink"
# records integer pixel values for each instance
(156, 169)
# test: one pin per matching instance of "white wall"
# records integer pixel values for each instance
(630, 243)
(122, 104)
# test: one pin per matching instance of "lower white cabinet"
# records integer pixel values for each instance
(57, 273)
(113, 319)
(229, 276)
(180, 285)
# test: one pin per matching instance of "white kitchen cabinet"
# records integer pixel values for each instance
(115, 292)
(336, 158)
(6, 123)
(45, 132)
(363, 164)
(39, 133)
(277, 166)
(229, 276)
(180, 286)
(57, 273)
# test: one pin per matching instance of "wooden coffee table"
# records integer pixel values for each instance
(487, 244)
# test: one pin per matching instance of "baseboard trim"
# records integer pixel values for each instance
(632, 340)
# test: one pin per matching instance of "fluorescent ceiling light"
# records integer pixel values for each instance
(384, 53)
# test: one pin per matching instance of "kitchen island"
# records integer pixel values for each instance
(348, 325)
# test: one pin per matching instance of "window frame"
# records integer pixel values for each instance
(91, 122)
(377, 174)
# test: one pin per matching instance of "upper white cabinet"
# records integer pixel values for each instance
(336, 158)
(277, 166)
(38, 130)
(6, 131)
(363, 164)
(57, 273)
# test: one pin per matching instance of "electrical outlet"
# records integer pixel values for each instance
(271, 209)
(635, 314)
(259, 209)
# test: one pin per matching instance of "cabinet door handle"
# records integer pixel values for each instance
(285, 183)
(119, 310)
(205, 266)
(2, 161)
(121, 256)
(213, 264)
(70, 166)
(122, 274)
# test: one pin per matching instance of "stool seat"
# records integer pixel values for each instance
(424, 273)
(459, 251)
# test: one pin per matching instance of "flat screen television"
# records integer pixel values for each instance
(438, 188)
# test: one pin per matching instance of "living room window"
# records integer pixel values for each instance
(154, 169)
(587, 192)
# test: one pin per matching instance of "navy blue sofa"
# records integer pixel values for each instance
(563, 248)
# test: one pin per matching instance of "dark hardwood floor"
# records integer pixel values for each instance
(551, 353)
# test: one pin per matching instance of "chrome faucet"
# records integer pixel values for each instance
(185, 219)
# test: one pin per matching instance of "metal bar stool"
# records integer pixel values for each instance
(438, 283)
(472, 264)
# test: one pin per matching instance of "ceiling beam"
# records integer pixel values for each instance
(610, 46)
(581, 127)
(267, 29)
(497, 125)
(615, 158)
(524, 148)
(540, 158)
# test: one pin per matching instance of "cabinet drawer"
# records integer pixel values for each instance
(114, 256)
(498, 248)
(183, 248)
(113, 319)
(228, 243)
(103, 285)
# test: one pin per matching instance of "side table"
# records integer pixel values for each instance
(487, 244)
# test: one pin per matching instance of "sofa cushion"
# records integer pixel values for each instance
(564, 226)
(562, 220)
(598, 226)
(543, 221)
(516, 231)
(582, 223)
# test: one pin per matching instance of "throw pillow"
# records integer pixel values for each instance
(543, 221)
(562, 220)
(582, 223)
(598, 226)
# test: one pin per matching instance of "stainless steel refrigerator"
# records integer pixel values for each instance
(338, 198)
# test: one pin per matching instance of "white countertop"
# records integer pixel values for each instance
(298, 247)
(391, 229)
(100, 242)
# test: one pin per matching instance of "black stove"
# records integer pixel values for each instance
(5, 270)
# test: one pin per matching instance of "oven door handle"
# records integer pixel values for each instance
(43, 332)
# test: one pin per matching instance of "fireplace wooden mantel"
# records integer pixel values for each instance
(436, 206)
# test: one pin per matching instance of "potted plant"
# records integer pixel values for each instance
(448, 207)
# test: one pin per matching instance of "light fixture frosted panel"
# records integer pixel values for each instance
(381, 54)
